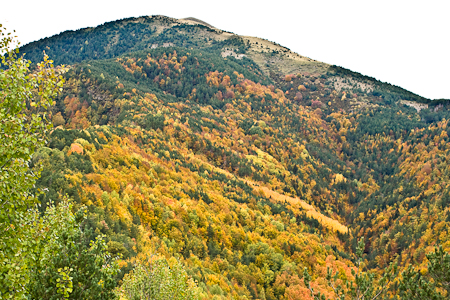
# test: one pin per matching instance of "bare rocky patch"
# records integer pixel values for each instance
(345, 83)
(228, 52)
(417, 106)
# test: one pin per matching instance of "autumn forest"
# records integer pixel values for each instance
(256, 169)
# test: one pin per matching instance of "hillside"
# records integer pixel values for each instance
(115, 38)
(246, 161)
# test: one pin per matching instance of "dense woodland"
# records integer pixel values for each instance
(246, 178)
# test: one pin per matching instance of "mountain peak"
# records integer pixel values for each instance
(197, 21)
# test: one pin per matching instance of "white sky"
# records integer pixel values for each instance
(406, 43)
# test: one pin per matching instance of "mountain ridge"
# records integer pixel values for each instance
(262, 51)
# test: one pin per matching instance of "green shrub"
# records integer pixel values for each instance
(159, 280)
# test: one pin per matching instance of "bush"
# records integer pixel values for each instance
(159, 280)
(71, 263)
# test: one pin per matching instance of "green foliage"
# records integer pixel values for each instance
(74, 46)
(159, 280)
(115, 38)
(24, 99)
(68, 262)
(439, 268)
(153, 122)
(415, 285)
(48, 257)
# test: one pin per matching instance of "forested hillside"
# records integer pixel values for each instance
(246, 162)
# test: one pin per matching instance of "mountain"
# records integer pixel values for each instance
(246, 161)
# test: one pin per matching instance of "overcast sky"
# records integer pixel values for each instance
(406, 43)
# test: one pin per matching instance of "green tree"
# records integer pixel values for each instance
(25, 97)
(68, 262)
(363, 287)
(160, 280)
(439, 268)
(415, 285)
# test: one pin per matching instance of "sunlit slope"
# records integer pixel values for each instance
(276, 197)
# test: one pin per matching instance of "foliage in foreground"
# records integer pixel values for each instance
(68, 263)
(412, 284)
(47, 257)
(364, 286)
(24, 100)
(159, 280)
(433, 285)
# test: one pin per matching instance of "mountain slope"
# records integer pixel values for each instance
(115, 38)
(243, 159)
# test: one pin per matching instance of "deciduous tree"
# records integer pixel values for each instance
(159, 280)
(25, 97)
